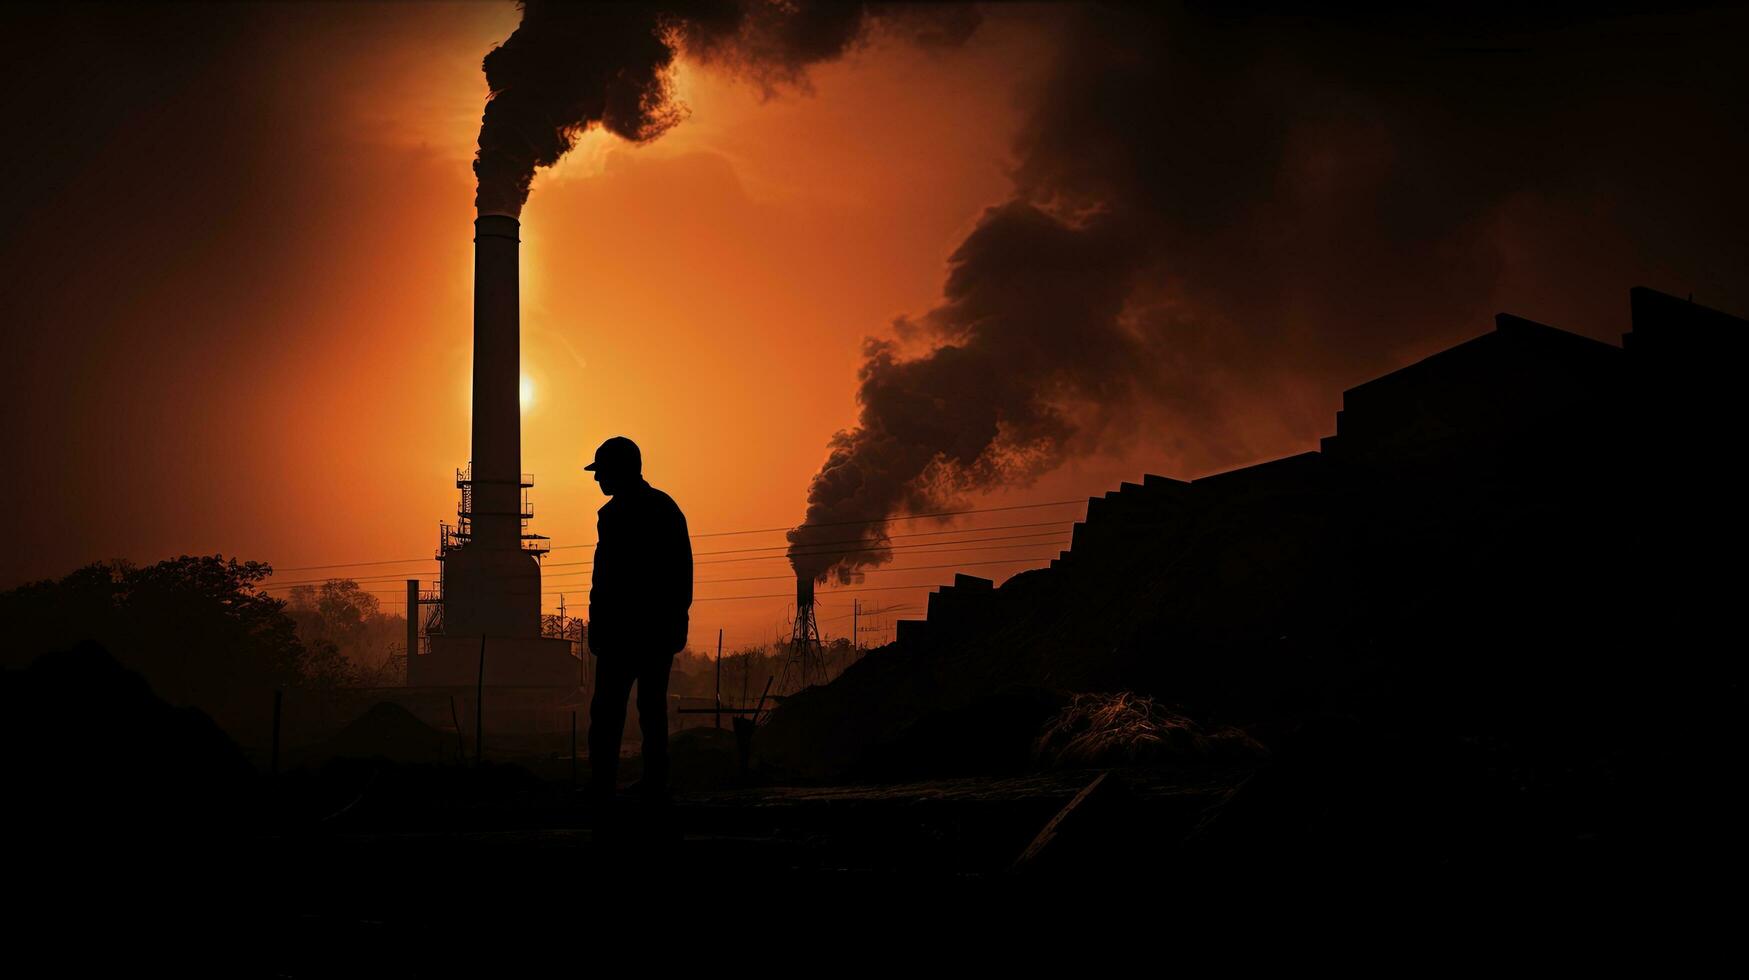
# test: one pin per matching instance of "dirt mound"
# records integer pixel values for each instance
(992, 735)
(703, 758)
(389, 731)
(96, 748)
(1098, 731)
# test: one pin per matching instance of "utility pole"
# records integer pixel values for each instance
(719, 677)
(480, 707)
(278, 697)
(412, 629)
(855, 622)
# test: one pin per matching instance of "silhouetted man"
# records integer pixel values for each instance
(638, 605)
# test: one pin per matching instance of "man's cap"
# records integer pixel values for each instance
(618, 455)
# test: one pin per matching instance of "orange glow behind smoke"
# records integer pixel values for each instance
(289, 380)
(706, 295)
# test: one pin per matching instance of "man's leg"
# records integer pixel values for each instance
(653, 722)
(607, 722)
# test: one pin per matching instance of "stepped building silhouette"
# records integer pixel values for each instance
(1500, 529)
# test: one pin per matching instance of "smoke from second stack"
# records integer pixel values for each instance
(1219, 221)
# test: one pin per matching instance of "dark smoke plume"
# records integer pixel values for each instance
(571, 66)
(999, 401)
(1214, 215)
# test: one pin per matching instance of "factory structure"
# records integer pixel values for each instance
(482, 624)
(805, 663)
(1517, 534)
(477, 636)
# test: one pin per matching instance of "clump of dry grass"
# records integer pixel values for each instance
(1098, 731)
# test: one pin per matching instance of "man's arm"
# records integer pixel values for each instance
(677, 559)
(683, 560)
(598, 580)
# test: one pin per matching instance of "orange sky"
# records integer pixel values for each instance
(706, 295)
(239, 280)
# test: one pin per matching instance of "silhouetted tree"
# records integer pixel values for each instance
(695, 672)
(197, 627)
(337, 618)
(568, 627)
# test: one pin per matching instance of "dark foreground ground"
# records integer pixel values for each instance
(153, 839)
(402, 870)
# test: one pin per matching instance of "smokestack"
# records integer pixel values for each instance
(804, 642)
(491, 583)
(497, 434)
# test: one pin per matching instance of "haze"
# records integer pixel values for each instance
(238, 290)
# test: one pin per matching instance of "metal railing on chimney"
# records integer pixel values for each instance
(465, 475)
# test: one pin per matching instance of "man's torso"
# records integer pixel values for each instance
(642, 578)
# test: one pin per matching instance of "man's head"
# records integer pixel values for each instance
(618, 464)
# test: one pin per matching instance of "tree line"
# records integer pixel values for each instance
(203, 633)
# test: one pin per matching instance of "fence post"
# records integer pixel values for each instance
(480, 707)
(278, 697)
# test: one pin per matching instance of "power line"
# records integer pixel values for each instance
(926, 547)
(343, 578)
(791, 595)
(942, 547)
(943, 551)
(353, 564)
(764, 530)
(898, 568)
(873, 612)
(896, 547)
(872, 520)
(907, 517)
(374, 592)
(934, 549)
(914, 534)
(832, 592)
(878, 571)
(786, 576)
